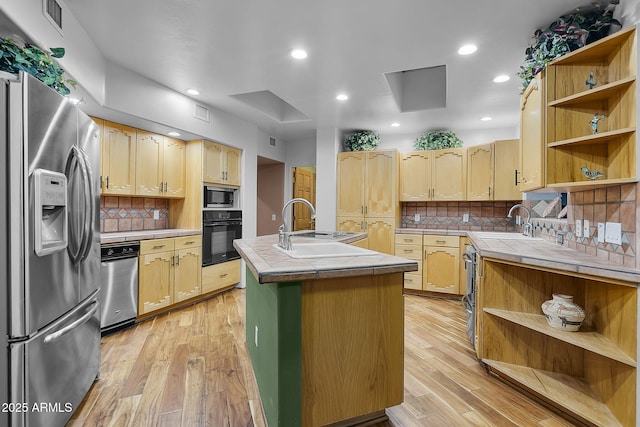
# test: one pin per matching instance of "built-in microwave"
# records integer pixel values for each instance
(219, 197)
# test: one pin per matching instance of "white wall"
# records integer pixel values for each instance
(299, 153)
(327, 146)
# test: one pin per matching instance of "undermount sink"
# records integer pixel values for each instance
(324, 250)
(320, 234)
(503, 235)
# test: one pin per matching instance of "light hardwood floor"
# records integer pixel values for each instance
(191, 368)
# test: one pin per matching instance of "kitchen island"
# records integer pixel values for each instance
(325, 334)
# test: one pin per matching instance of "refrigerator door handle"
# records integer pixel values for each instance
(89, 207)
(84, 319)
(78, 247)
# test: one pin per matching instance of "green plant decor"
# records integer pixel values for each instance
(362, 140)
(566, 34)
(33, 60)
(437, 139)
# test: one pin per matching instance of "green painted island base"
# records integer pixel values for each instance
(328, 350)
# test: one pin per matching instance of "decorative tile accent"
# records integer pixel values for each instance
(483, 216)
(132, 214)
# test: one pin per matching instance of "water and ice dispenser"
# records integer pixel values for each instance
(50, 216)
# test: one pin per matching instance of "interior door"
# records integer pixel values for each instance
(303, 186)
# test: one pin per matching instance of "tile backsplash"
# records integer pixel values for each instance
(132, 213)
(483, 216)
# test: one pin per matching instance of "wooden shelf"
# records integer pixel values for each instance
(589, 184)
(569, 393)
(598, 138)
(598, 93)
(596, 51)
(588, 340)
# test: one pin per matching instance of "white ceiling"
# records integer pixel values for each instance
(232, 47)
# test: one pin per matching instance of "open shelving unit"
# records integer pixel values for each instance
(571, 105)
(591, 374)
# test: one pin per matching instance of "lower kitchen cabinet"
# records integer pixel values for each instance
(380, 231)
(169, 271)
(410, 246)
(220, 276)
(441, 265)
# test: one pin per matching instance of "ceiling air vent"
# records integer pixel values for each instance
(201, 112)
(272, 141)
(53, 11)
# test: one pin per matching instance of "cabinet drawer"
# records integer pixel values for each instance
(156, 245)
(188, 242)
(408, 239)
(449, 241)
(220, 276)
(409, 251)
(413, 281)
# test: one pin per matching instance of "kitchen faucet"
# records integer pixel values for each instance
(527, 227)
(284, 231)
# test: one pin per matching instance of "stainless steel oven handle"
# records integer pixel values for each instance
(54, 336)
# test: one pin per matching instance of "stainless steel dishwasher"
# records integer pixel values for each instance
(119, 283)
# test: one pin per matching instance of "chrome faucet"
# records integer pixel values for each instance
(284, 231)
(527, 226)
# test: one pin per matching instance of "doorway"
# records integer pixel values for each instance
(304, 186)
(270, 194)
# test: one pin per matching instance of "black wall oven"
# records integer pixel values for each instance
(219, 229)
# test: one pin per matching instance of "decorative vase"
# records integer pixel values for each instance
(562, 313)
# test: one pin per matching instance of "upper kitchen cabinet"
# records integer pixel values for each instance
(443, 175)
(591, 113)
(118, 158)
(530, 176)
(506, 154)
(221, 164)
(160, 166)
(480, 162)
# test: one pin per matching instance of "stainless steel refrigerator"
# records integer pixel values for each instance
(50, 217)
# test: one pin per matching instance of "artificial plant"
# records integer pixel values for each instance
(362, 140)
(437, 139)
(33, 60)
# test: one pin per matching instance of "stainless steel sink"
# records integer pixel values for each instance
(324, 250)
(503, 235)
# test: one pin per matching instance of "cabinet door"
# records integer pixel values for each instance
(351, 174)
(149, 162)
(480, 172)
(174, 167)
(415, 176)
(155, 276)
(507, 159)
(232, 166)
(449, 176)
(188, 270)
(213, 163)
(220, 276)
(118, 159)
(532, 141)
(441, 269)
(381, 184)
(350, 224)
(381, 235)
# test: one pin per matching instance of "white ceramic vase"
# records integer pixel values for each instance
(562, 313)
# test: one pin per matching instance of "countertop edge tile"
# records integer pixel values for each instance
(130, 236)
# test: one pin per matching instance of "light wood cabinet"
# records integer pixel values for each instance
(590, 374)
(441, 264)
(221, 164)
(436, 175)
(220, 276)
(410, 246)
(572, 105)
(160, 165)
(367, 196)
(506, 154)
(169, 271)
(117, 158)
(480, 162)
(532, 143)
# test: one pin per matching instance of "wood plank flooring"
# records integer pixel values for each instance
(191, 368)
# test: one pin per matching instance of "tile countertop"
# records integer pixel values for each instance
(128, 236)
(538, 253)
(271, 265)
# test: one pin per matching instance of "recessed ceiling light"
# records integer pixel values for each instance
(342, 97)
(501, 78)
(467, 49)
(193, 92)
(298, 53)
(395, 124)
(485, 119)
(173, 133)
